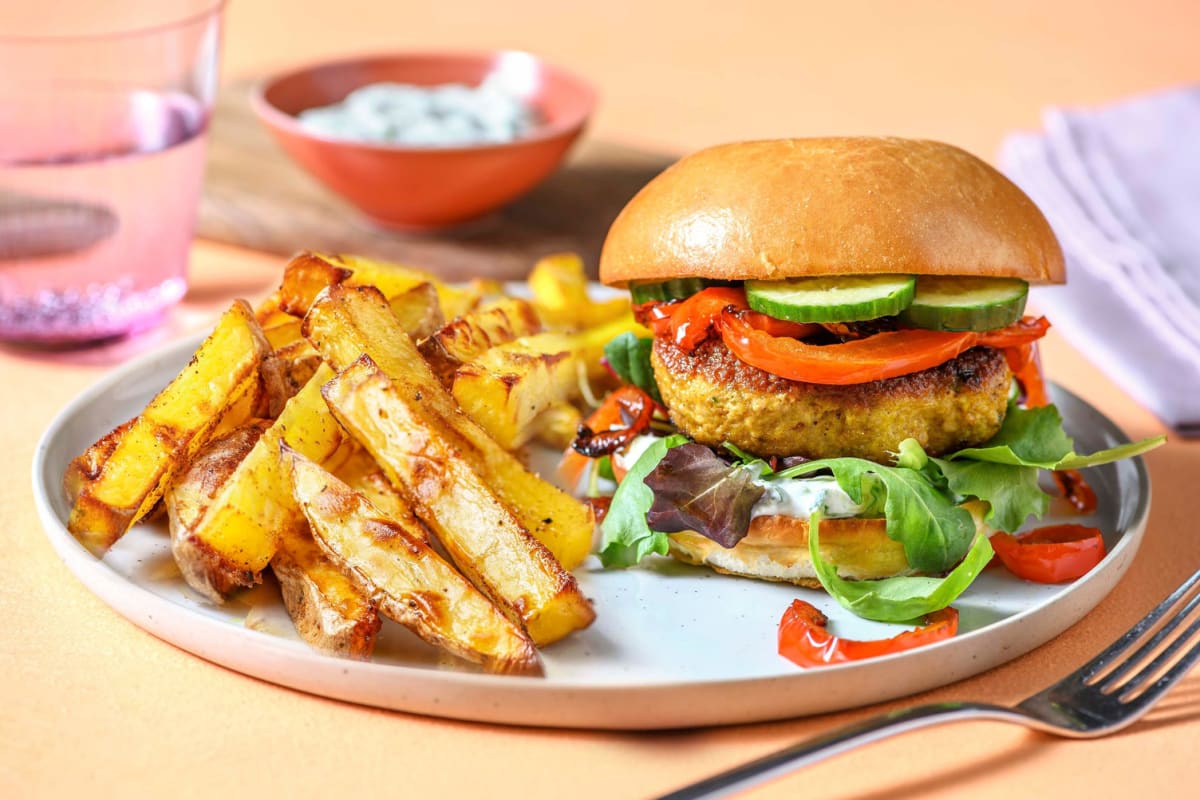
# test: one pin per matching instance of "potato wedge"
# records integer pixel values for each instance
(304, 277)
(112, 489)
(386, 276)
(509, 386)
(298, 362)
(469, 336)
(560, 295)
(389, 278)
(484, 537)
(284, 333)
(260, 401)
(270, 311)
(347, 322)
(187, 500)
(413, 295)
(558, 425)
(418, 310)
(360, 472)
(254, 506)
(331, 612)
(410, 582)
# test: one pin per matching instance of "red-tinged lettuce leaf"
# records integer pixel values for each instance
(625, 537)
(695, 490)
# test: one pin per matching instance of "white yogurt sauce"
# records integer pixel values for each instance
(800, 497)
(793, 497)
(450, 115)
(634, 451)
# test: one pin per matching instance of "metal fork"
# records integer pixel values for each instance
(1108, 693)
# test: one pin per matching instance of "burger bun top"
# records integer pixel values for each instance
(787, 208)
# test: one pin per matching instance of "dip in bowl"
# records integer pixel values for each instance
(428, 184)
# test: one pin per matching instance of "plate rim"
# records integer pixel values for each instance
(89, 569)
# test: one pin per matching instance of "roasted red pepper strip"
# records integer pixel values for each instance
(653, 313)
(884, 355)
(1053, 554)
(804, 639)
(1022, 332)
(779, 327)
(689, 322)
(1026, 367)
(624, 414)
(1076, 490)
(571, 468)
(599, 506)
(772, 345)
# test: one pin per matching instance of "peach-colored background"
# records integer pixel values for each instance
(90, 706)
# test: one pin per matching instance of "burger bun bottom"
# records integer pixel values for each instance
(776, 549)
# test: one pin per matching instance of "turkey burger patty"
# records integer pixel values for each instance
(713, 397)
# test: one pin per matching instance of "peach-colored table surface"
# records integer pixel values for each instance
(91, 706)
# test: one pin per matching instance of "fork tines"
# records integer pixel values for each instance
(1151, 649)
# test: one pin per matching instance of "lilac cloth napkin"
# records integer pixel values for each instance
(1121, 187)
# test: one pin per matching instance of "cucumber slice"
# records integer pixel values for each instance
(966, 304)
(832, 299)
(675, 289)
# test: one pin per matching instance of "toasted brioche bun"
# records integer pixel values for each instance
(791, 208)
(776, 549)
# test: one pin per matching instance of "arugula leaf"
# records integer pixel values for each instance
(912, 456)
(1035, 437)
(626, 538)
(897, 599)
(748, 460)
(935, 532)
(629, 356)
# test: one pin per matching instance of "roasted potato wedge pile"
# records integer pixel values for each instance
(120, 478)
(357, 435)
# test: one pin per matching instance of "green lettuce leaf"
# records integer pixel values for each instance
(935, 532)
(625, 537)
(1011, 492)
(897, 599)
(1077, 461)
(629, 357)
(1035, 437)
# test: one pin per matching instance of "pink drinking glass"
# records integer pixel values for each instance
(104, 110)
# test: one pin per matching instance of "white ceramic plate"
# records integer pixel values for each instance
(673, 646)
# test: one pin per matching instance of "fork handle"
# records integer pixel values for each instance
(838, 741)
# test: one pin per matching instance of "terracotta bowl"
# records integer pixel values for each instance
(424, 187)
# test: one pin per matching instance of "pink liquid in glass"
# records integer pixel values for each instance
(97, 210)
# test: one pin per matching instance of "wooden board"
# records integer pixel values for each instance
(256, 197)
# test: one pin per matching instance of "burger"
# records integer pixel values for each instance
(834, 328)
